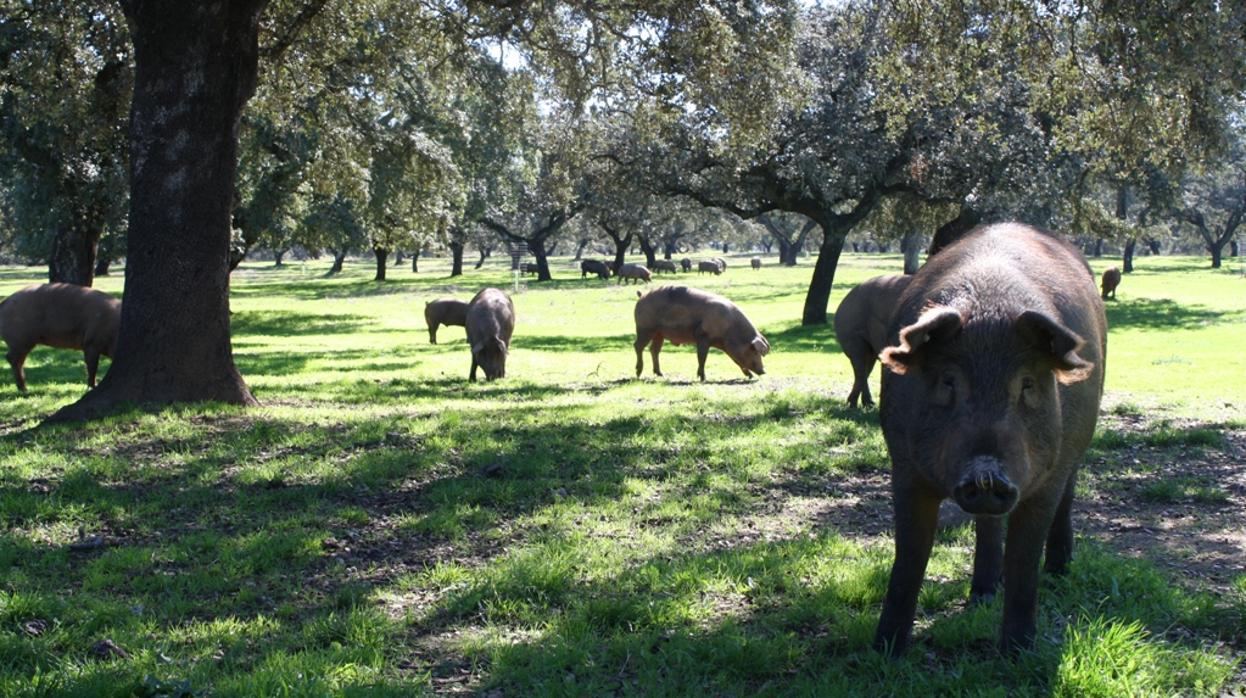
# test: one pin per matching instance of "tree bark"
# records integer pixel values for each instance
(398, 257)
(381, 256)
(580, 245)
(484, 254)
(819, 295)
(279, 259)
(537, 247)
(651, 253)
(1233, 251)
(339, 258)
(1098, 247)
(195, 68)
(415, 261)
(1217, 252)
(911, 246)
(1154, 246)
(73, 257)
(456, 258)
(1127, 259)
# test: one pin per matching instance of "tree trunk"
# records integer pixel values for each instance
(537, 247)
(725, 245)
(1233, 251)
(911, 246)
(102, 263)
(1127, 259)
(483, 255)
(620, 250)
(579, 248)
(195, 68)
(1154, 246)
(651, 254)
(415, 261)
(398, 257)
(381, 257)
(819, 295)
(278, 261)
(339, 258)
(1217, 251)
(1098, 247)
(104, 255)
(73, 257)
(456, 258)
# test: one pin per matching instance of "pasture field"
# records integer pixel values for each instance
(379, 526)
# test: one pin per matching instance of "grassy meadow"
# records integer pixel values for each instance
(380, 526)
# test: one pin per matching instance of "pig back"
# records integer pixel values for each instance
(65, 316)
(682, 314)
(490, 314)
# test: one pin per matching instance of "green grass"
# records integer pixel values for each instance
(382, 527)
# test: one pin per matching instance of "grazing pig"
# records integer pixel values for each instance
(861, 328)
(444, 311)
(755, 263)
(691, 316)
(529, 268)
(594, 266)
(709, 265)
(686, 264)
(635, 272)
(665, 265)
(1111, 279)
(990, 396)
(490, 323)
(65, 316)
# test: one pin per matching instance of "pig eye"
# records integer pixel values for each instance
(1029, 394)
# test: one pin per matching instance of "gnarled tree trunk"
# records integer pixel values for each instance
(339, 257)
(456, 258)
(819, 295)
(381, 256)
(195, 68)
(651, 253)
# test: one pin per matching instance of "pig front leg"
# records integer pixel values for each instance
(1060, 539)
(1028, 525)
(472, 376)
(432, 333)
(916, 516)
(640, 343)
(988, 559)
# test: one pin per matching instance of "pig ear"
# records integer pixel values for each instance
(935, 323)
(1059, 342)
(761, 345)
(501, 346)
(478, 347)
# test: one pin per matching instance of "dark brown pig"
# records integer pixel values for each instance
(755, 262)
(990, 396)
(444, 311)
(594, 266)
(685, 264)
(861, 328)
(691, 316)
(490, 323)
(1111, 279)
(665, 265)
(709, 265)
(65, 316)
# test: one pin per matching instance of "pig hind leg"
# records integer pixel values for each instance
(703, 352)
(92, 359)
(17, 359)
(862, 359)
(655, 348)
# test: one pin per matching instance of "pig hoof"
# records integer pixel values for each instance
(981, 598)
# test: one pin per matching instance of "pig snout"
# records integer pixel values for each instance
(985, 489)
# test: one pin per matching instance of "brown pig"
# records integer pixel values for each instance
(861, 328)
(990, 396)
(691, 316)
(65, 316)
(685, 264)
(709, 265)
(594, 266)
(755, 263)
(665, 265)
(444, 311)
(1111, 279)
(490, 323)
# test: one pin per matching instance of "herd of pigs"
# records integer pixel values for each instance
(994, 354)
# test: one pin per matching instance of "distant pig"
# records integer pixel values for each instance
(444, 311)
(755, 263)
(635, 272)
(65, 316)
(594, 266)
(1111, 279)
(990, 396)
(861, 328)
(665, 265)
(709, 265)
(490, 323)
(691, 316)
(685, 264)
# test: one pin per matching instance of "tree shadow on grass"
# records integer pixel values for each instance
(1163, 314)
(805, 338)
(271, 323)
